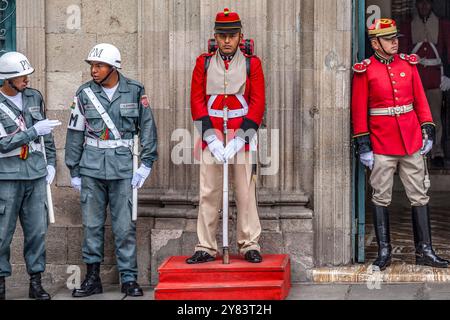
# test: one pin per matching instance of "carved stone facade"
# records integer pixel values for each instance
(305, 46)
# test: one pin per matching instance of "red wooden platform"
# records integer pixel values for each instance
(240, 280)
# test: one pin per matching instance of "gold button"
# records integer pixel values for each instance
(226, 96)
(396, 98)
(394, 83)
(395, 90)
(226, 84)
(392, 74)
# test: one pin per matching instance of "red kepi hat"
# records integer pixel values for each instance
(227, 22)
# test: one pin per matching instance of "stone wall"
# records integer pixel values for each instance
(160, 41)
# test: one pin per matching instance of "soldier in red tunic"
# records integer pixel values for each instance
(429, 37)
(392, 126)
(228, 78)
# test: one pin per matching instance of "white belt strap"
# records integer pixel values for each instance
(237, 113)
(391, 111)
(109, 144)
(10, 114)
(430, 62)
(100, 109)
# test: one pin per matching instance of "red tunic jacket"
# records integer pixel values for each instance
(378, 85)
(431, 76)
(254, 95)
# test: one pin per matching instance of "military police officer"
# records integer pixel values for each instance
(24, 172)
(106, 113)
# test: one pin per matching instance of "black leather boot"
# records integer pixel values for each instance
(92, 284)
(425, 255)
(36, 290)
(2, 288)
(132, 289)
(381, 225)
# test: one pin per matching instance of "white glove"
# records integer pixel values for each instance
(46, 126)
(445, 83)
(50, 174)
(216, 147)
(233, 147)
(427, 148)
(367, 159)
(76, 183)
(140, 176)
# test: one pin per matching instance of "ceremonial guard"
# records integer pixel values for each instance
(392, 125)
(24, 169)
(227, 80)
(107, 113)
(429, 37)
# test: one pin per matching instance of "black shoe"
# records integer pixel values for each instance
(381, 225)
(36, 290)
(2, 288)
(437, 162)
(425, 254)
(200, 257)
(132, 289)
(92, 284)
(253, 256)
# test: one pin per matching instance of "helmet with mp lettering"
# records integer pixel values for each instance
(105, 52)
(14, 64)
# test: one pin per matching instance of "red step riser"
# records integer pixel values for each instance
(197, 277)
(238, 281)
(220, 294)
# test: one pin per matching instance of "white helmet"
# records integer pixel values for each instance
(105, 52)
(13, 65)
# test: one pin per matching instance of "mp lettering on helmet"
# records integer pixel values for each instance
(96, 52)
(25, 65)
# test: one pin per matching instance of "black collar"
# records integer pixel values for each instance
(382, 59)
(227, 58)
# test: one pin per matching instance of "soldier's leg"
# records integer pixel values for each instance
(434, 97)
(34, 221)
(93, 207)
(124, 229)
(210, 202)
(412, 173)
(382, 179)
(248, 224)
(11, 195)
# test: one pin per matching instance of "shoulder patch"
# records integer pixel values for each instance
(412, 59)
(361, 67)
(144, 101)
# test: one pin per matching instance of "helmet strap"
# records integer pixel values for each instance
(108, 75)
(382, 48)
(12, 85)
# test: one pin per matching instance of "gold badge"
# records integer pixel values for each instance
(402, 74)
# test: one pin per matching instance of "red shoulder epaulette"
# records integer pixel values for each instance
(411, 58)
(361, 67)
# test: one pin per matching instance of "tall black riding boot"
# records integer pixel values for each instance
(2, 288)
(381, 225)
(425, 255)
(36, 290)
(92, 284)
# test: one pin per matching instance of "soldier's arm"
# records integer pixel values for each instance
(360, 109)
(421, 106)
(257, 102)
(75, 139)
(199, 108)
(148, 132)
(50, 149)
(10, 140)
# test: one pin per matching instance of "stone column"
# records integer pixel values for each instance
(30, 24)
(332, 175)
